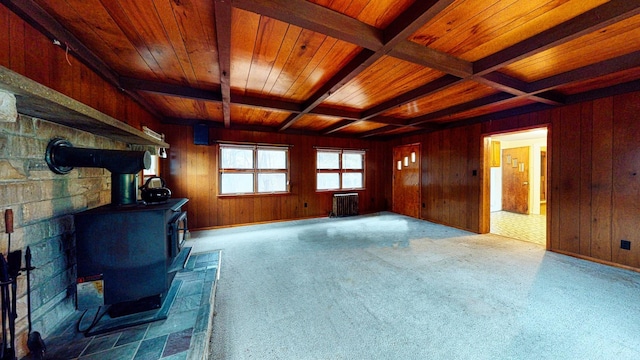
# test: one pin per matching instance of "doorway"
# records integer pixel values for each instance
(518, 185)
(406, 180)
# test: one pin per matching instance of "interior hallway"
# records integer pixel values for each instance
(386, 286)
(532, 226)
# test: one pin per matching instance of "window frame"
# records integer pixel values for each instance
(341, 170)
(255, 170)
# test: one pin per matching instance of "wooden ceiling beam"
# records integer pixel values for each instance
(378, 131)
(540, 90)
(338, 126)
(549, 98)
(424, 90)
(515, 87)
(239, 127)
(376, 43)
(487, 100)
(410, 21)
(526, 109)
(602, 68)
(586, 23)
(413, 18)
(191, 121)
(262, 103)
(433, 59)
(169, 89)
(392, 41)
(316, 18)
(339, 113)
(223, 34)
(366, 58)
(504, 83)
(186, 92)
(614, 90)
(388, 120)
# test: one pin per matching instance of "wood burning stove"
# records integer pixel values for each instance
(131, 252)
(127, 252)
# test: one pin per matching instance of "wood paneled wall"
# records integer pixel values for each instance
(595, 179)
(451, 176)
(191, 171)
(26, 51)
(594, 190)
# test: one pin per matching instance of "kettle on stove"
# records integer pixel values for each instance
(154, 190)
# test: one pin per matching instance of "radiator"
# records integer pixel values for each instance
(345, 204)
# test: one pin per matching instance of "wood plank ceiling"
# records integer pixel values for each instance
(356, 68)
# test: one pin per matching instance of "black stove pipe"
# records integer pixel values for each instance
(62, 157)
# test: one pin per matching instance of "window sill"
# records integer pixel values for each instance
(340, 190)
(253, 195)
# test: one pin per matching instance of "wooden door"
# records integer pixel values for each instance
(515, 180)
(406, 180)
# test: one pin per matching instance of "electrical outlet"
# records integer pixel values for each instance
(305, 204)
(625, 244)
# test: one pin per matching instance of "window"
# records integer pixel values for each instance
(253, 169)
(339, 169)
(153, 170)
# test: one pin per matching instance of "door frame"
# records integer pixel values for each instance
(485, 193)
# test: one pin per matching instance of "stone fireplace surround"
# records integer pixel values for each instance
(43, 204)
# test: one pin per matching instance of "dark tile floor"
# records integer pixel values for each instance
(184, 334)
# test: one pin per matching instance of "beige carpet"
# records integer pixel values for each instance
(390, 287)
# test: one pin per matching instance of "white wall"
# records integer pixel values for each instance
(496, 188)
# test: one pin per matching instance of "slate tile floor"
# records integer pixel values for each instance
(183, 335)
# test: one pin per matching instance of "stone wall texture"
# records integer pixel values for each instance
(43, 204)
